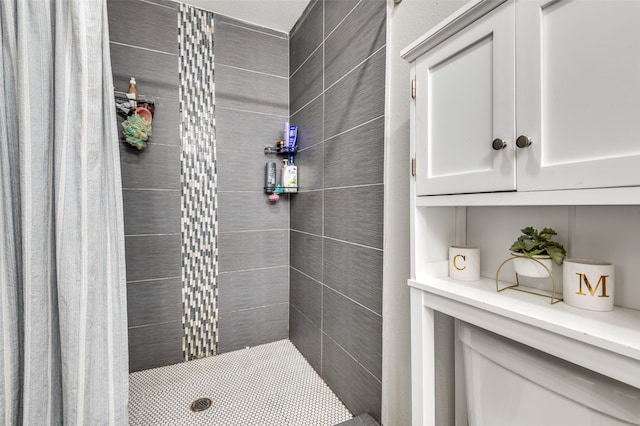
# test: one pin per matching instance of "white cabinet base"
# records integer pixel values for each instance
(605, 342)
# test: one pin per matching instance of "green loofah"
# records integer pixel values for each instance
(136, 131)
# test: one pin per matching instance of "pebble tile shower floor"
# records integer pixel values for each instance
(270, 384)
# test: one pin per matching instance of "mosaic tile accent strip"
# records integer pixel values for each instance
(270, 384)
(198, 183)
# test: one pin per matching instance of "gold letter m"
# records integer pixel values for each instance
(592, 291)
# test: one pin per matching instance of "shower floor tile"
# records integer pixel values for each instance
(270, 384)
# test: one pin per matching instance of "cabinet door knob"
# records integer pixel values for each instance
(498, 144)
(523, 141)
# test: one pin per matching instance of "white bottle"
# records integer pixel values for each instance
(283, 172)
(290, 177)
(132, 94)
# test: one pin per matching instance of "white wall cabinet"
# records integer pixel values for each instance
(465, 99)
(565, 74)
(562, 74)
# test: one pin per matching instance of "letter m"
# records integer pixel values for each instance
(592, 291)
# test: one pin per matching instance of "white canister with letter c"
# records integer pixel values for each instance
(464, 263)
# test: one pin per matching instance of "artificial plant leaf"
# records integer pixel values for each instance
(517, 246)
(532, 243)
(556, 253)
(528, 231)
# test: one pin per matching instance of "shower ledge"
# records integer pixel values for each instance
(605, 342)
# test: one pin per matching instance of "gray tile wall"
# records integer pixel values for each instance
(337, 78)
(336, 230)
(151, 181)
(252, 104)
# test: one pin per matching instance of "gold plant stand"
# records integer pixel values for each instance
(517, 287)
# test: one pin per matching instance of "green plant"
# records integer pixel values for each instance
(532, 243)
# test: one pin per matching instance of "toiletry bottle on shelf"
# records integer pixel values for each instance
(291, 177)
(285, 140)
(283, 172)
(132, 94)
(270, 177)
(293, 138)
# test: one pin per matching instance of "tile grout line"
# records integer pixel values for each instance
(142, 48)
(326, 36)
(307, 60)
(252, 308)
(153, 279)
(353, 358)
(337, 240)
(352, 300)
(157, 4)
(151, 189)
(155, 323)
(307, 104)
(329, 139)
(251, 71)
(248, 26)
(266, 268)
(355, 68)
(354, 128)
(252, 230)
(219, 107)
(153, 235)
(308, 319)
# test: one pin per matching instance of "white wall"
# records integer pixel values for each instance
(405, 22)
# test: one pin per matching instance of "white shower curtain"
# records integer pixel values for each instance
(63, 335)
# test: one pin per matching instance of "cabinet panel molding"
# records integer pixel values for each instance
(466, 101)
(576, 94)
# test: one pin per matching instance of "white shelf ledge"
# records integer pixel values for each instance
(600, 196)
(606, 342)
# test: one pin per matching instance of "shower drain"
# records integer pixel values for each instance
(200, 404)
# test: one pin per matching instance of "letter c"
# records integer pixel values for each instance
(455, 259)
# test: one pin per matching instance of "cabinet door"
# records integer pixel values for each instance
(578, 92)
(465, 100)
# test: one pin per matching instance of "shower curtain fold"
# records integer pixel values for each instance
(63, 331)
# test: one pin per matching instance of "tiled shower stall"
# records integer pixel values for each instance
(211, 265)
(337, 63)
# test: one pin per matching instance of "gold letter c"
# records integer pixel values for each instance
(455, 258)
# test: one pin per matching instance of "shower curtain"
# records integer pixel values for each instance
(63, 335)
